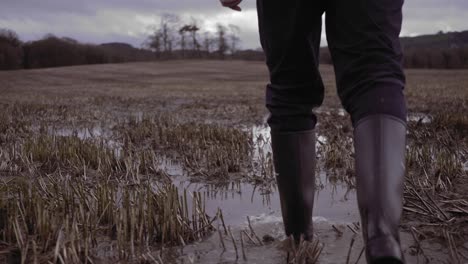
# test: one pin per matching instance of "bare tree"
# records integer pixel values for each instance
(154, 41)
(222, 43)
(11, 51)
(208, 42)
(7, 35)
(162, 37)
(234, 38)
(183, 43)
(464, 56)
(196, 46)
(167, 25)
(194, 29)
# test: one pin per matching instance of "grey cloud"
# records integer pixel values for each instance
(12, 8)
(125, 20)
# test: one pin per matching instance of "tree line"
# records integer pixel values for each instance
(438, 58)
(52, 51)
(174, 38)
(424, 58)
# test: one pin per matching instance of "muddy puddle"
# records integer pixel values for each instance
(334, 202)
(336, 216)
(239, 199)
(99, 133)
(335, 205)
(335, 240)
(336, 221)
(336, 224)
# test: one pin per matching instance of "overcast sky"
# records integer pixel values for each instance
(98, 21)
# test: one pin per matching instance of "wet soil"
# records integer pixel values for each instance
(91, 102)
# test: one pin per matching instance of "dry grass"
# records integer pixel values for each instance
(68, 198)
(75, 219)
(208, 150)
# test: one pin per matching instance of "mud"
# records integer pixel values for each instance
(336, 246)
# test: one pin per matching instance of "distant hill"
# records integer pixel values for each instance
(53, 51)
(438, 51)
(118, 45)
(122, 52)
(440, 40)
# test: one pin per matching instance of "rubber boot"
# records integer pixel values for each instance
(294, 162)
(379, 143)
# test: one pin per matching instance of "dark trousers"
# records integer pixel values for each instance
(363, 37)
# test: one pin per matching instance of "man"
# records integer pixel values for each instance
(363, 37)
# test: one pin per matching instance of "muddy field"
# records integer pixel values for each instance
(170, 162)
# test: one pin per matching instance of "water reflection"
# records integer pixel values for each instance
(240, 198)
(333, 201)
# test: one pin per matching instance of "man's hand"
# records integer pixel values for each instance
(233, 4)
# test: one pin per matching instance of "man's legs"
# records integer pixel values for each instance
(363, 37)
(290, 36)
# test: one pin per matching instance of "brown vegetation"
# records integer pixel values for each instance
(69, 195)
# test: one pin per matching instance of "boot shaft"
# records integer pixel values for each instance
(380, 145)
(294, 162)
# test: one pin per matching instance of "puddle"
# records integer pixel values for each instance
(98, 133)
(335, 247)
(138, 116)
(81, 133)
(239, 199)
(171, 167)
(336, 244)
(334, 202)
(335, 207)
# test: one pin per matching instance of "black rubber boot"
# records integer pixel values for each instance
(379, 142)
(294, 161)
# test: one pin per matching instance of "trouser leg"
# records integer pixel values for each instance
(290, 36)
(363, 38)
